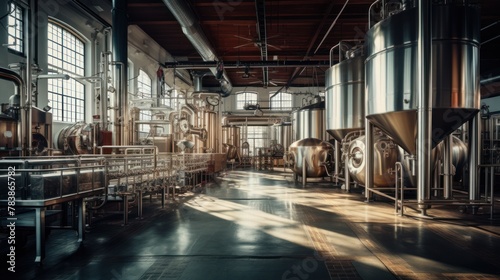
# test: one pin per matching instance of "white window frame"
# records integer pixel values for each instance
(282, 101)
(66, 55)
(144, 91)
(245, 98)
(16, 28)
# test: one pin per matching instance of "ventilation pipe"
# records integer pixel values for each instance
(182, 12)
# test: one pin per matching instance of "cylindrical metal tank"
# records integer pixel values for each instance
(231, 140)
(391, 71)
(385, 156)
(345, 97)
(208, 121)
(309, 122)
(282, 134)
(231, 135)
(314, 152)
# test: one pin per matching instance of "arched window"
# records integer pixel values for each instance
(243, 98)
(66, 55)
(281, 101)
(144, 91)
(16, 28)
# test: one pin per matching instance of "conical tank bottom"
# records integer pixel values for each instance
(401, 126)
(339, 134)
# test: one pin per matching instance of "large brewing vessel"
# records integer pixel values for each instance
(345, 97)
(309, 122)
(392, 78)
(281, 134)
(314, 153)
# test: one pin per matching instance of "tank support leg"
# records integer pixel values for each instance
(304, 172)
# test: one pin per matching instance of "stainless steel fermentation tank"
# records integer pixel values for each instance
(392, 78)
(309, 122)
(311, 155)
(345, 97)
(282, 134)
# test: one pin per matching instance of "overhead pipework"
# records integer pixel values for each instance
(191, 28)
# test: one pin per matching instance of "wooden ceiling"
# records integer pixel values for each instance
(295, 30)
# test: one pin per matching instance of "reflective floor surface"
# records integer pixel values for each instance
(261, 225)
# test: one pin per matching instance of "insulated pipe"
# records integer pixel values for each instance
(120, 56)
(190, 27)
(424, 111)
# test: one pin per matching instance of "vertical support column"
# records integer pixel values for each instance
(337, 161)
(346, 172)
(40, 234)
(368, 160)
(424, 111)
(81, 219)
(304, 172)
(447, 166)
(120, 48)
(474, 153)
(125, 209)
(139, 204)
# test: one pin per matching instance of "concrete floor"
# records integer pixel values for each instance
(262, 225)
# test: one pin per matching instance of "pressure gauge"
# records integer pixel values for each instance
(213, 100)
(184, 125)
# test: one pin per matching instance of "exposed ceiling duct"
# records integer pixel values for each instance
(191, 28)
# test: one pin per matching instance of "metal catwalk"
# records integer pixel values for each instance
(262, 225)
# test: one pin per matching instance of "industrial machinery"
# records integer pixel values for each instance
(311, 158)
(77, 139)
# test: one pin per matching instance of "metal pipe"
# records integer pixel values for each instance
(120, 56)
(337, 162)
(369, 14)
(368, 159)
(424, 111)
(190, 27)
(104, 81)
(474, 156)
(331, 26)
(346, 172)
(447, 166)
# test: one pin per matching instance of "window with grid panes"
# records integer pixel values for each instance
(281, 101)
(244, 98)
(16, 28)
(66, 55)
(144, 91)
